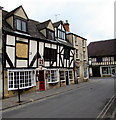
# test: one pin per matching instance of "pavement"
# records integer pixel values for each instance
(39, 95)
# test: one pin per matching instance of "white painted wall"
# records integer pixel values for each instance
(21, 63)
(32, 51)
(11, 53)
(10, 40)
(41, 48)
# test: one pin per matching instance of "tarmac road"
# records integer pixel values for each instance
(85, 102)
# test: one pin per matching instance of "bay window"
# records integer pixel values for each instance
(52, 76)
(22, 78)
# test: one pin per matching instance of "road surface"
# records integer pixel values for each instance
(85, 102)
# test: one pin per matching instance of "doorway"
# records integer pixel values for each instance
(67, 78)
(41, 80)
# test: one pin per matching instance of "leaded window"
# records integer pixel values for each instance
(52, 76)
(21, 78)
(21, 25)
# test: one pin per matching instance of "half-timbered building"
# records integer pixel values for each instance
(36, 55)
(102, 58)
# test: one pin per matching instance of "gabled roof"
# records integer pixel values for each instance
(43, 24)
(34, 28)
(13, 11)
(56, 24)
(102, 48)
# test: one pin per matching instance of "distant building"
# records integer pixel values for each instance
(102, 58)
(80, 56)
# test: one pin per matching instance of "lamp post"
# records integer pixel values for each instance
(19, 100)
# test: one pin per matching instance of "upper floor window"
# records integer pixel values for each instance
(50, 54)
(61, 34)
(114, 58)
(76, 41)
(50, 34)
(83, 43)
(99, 59)
(77, 53)
(84, 55)
(66, 53)
(21, 25)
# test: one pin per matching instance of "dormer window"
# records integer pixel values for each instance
(61, 34)
(50, 34)
(21, 25)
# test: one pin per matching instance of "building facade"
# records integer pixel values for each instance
(102, 58)
(37, 55)
(80, 56)
(0, 52)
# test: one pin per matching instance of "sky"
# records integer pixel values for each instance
(91, 19)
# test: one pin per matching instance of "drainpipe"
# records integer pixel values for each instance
(1, 65)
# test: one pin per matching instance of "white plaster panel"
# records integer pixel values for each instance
(71, 52)
(61, 48)
(54, 64)
(41, 48)
(67, 63)
(7, 65)
(72, 64)
(53, 46)
(10, 40)
(21, 39)
(59, 27)
(47, 45)
(21, 63)
(11, 53)
(32, 50)
(57, 59)
(64, 62)
(46, 64)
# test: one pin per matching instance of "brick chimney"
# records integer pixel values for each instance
(66, 25)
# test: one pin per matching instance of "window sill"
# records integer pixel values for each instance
(53, 82)
(20, 88)
(63, 80)
(71, 79)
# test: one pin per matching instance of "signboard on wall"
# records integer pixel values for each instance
(41, 62)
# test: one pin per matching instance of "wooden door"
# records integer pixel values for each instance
(41, 80)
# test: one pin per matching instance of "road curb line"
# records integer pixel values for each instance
(106, 108)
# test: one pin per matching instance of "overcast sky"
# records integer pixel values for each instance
(91, 19)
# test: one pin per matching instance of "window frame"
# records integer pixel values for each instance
(49, 76)
(48, 34)
(21, 24)
(99, 59)
(63, 75)
(71, 75)
(61, 34)
(50, 51)
(13, 71)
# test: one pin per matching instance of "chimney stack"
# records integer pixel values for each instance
(66, 25)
